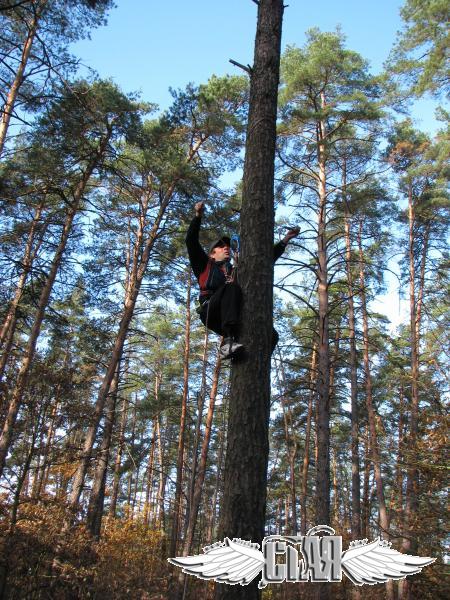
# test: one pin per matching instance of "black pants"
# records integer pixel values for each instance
(221, 313)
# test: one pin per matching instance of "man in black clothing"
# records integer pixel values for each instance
(220, 294)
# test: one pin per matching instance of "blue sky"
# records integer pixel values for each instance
(149, 46)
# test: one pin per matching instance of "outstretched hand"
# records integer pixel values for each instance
(199, 208)
(292, 233)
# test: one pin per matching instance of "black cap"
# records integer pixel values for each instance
(220, 242)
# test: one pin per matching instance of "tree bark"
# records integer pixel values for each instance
(244, 499)
(356, 477)
(366, 488)
(149, 484)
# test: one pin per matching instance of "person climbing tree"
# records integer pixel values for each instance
(220, 293)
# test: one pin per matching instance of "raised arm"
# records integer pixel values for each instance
(280, 247)
(197, 256)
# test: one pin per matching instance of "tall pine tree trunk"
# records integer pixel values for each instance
(356, 478)
(410, 543)
(323, 362)
(356, 482)
(366, 488)
(244, 499)
(161, 485)
(149, 483)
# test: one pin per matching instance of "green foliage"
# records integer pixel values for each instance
(421, 54)
(324, 67)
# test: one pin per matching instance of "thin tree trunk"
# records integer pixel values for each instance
(366, 490)
(400, 458)
(374, 448)
(161, 486)
(130, 454)
(335, 518)
(136, 483)
(44, 472)
(97, 497)
(356, 477)
(127, 314)
(41, 473)
(291, 444)
(118, 460)
(181, 436)
(149, 490)
(356, 480)
(141, 256)
(305, 465)
(200, 477)
(198, 427)
(219, 468)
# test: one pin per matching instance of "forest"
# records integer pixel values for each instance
(116, 408)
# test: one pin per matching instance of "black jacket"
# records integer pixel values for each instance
(210, 273)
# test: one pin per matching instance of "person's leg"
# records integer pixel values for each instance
(221, 315)
(230, 308)
(210, 315)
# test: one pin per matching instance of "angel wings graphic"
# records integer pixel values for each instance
(231, 561)
(239, 562)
